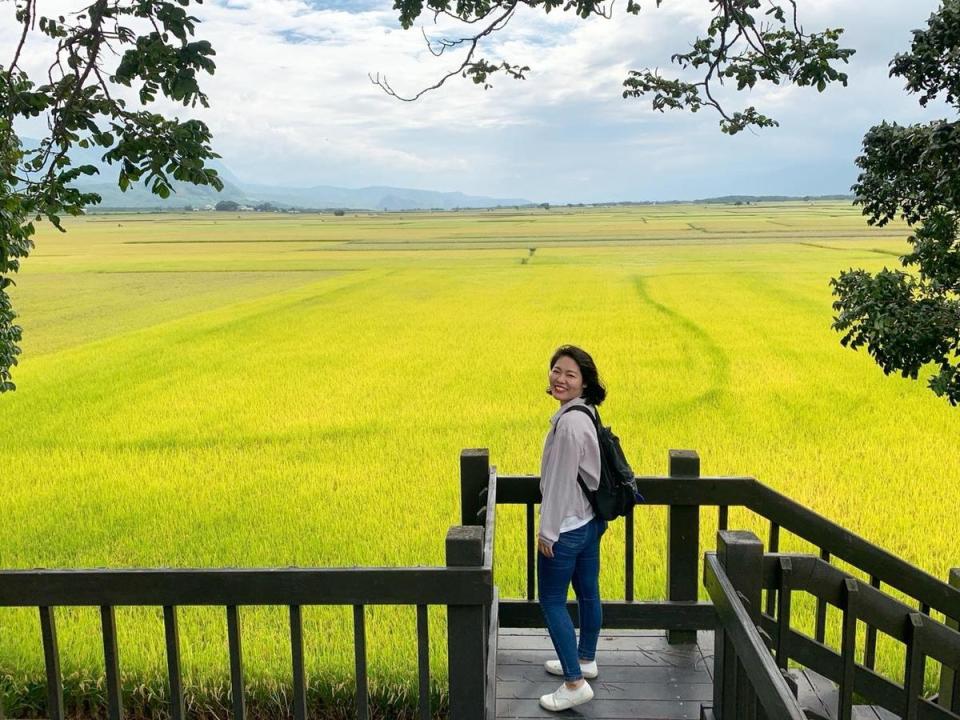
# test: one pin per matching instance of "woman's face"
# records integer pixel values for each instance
(565, 379)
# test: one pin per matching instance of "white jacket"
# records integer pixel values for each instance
(570, 448)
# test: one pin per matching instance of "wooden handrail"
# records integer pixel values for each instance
(493, 633)
(789, 515)
(771, 689)
(875, 608)
(490, 520)
(851, 548)
(275, 586)
(656, 490)
(858, 601)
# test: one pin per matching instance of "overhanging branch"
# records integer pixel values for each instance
(478, 68)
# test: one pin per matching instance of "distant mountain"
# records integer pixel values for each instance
(320, 197)
(325, 197)
(138, 197)
(372, 198)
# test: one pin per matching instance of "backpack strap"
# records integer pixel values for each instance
(594, 416)
(591, 494)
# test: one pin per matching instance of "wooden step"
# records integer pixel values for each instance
(819, 697)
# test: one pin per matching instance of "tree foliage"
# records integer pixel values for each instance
(145, 45)
(911, 321)
(745, 42)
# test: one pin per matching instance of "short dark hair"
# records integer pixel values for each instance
(594, 392)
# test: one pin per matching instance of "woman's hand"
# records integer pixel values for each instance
(544, 548)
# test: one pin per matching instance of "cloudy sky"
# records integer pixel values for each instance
(291, 103)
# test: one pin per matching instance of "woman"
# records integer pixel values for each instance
(569, 535)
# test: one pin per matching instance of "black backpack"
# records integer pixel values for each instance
(617, 493)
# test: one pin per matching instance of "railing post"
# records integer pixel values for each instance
(474, 476)
(949, 678)
(683, 543)
(740, 552)
(465, 630)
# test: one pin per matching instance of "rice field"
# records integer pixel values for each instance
(213, 390)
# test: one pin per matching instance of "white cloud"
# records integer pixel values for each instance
(291, 102)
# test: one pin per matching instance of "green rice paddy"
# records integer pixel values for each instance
(214, 390)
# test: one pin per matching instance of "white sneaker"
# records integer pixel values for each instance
(564, 698)
(588, 670)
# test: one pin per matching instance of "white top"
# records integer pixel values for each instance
(571, 447)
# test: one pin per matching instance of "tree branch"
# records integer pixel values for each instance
(27, 17)
(473, 41)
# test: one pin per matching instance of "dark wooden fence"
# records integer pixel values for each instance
(681, 614)
(747, 682)
(859, 602)
(740, 572)
(466, 586)
(685, 492)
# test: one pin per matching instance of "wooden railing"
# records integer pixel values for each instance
(466, 586)
(859, 602)
(681, 614)
(466, 591)
(835, 541)
(747, 682)
(685, 492)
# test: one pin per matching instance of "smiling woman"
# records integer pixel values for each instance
(570, 531)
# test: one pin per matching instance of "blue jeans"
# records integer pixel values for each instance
(576, 557)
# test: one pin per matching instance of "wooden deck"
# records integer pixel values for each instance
(641, 676)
